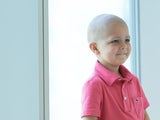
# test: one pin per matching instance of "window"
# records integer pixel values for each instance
(71, 61)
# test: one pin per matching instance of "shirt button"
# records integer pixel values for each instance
(125, 98)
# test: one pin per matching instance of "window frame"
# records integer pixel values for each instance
(135, 56)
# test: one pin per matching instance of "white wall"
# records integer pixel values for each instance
(150, 57)
(20, 73)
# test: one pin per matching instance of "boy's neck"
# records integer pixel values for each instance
(112, 68)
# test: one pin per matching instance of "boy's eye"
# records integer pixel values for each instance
(115, 41)
(118, 41)
(127, 40)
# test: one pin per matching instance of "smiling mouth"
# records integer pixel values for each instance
(123, 55)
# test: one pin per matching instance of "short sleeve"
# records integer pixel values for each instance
(91, 98)
(145, 101)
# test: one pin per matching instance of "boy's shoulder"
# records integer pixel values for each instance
(94, 80)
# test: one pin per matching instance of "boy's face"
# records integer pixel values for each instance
(115, 48)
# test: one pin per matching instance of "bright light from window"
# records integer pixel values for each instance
(71, 61)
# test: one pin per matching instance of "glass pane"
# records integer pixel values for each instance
(71, 61)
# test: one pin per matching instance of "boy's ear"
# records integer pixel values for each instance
(93, 47)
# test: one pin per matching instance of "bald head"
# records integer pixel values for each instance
(100, 25)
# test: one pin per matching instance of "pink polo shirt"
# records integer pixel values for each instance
(111, 97)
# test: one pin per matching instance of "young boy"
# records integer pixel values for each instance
(112, 92)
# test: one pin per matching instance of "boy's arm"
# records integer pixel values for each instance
(90, 118)
(146, 116)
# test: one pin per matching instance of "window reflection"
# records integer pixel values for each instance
(71, 61)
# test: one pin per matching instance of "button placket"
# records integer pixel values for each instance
(125, 97)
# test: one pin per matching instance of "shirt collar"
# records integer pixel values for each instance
(105, 74)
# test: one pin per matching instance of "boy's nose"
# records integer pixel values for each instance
(123, 45)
